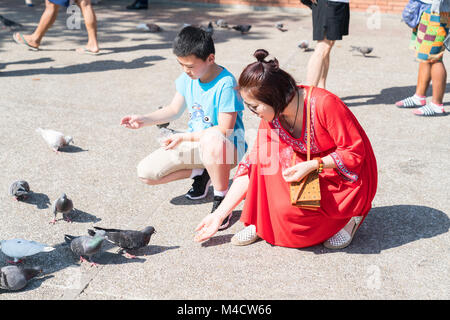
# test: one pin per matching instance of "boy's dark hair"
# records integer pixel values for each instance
(193, 41)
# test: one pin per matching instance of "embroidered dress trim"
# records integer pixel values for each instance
(342, 169)
(297, 144)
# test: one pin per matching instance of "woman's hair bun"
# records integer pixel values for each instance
(260, 55)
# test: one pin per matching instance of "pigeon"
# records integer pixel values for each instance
(209, 29)
(280, 27)
(243, 28)
(19, 190)
(9, 23)
(364, 50)
(20, 248)
(86, 246)
(222, 23)
(63, 205)
(162, 125)
(151, 27)
(304, 44)
(127, 239)
(15, 278)
(54, 139)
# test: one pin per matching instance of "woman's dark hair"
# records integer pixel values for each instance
(193, 41)
(267, 82)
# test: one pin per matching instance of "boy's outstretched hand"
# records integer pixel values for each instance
(132, 122)
(173, 140)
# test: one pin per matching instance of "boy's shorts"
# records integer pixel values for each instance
(187, 155)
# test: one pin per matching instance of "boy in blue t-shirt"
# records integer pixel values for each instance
(214, 141)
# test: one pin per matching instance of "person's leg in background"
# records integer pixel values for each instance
(91, 25)
(319, 63)
(46, 21)
(438, 76)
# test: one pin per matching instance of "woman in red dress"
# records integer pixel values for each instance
(348, 180)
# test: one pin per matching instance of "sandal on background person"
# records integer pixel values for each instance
(430, 110)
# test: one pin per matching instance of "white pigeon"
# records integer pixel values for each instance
(54, 138)
(20, 248)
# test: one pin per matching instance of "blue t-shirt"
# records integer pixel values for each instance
(204, 101)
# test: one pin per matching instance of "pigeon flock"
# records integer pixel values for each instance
(16, 277)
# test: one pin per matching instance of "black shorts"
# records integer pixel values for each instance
(330, 18)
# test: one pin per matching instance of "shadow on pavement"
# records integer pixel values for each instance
(183, 200)
(78, 215)
(393, 226)
(72, 149)
(32, 61)
(40, 200)
(387, 96)
(96, 66)
(217, 240)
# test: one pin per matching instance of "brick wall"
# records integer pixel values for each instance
(385, 6)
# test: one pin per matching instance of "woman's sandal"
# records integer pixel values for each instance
(245, 237)
(342, 239)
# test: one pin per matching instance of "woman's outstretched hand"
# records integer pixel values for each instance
(300, 170)
(207, 227)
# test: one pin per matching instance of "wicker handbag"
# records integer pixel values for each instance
(306, 192)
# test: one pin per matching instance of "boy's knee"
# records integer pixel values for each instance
(215, 148)
(146, 174)
(212, 143)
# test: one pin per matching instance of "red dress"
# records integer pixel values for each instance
(346, 191)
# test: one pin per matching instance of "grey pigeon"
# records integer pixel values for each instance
(209, 29)
(20, 248)
(54, 139)
(9, 23)
(86, 246)
(19, 190)
(304, 44)
(222, 23)
(15, 278)
(162, 125)
(127, 239)
(364, 50)
(243, 28)
(63, 205)
(280, 27)
(151, 27)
